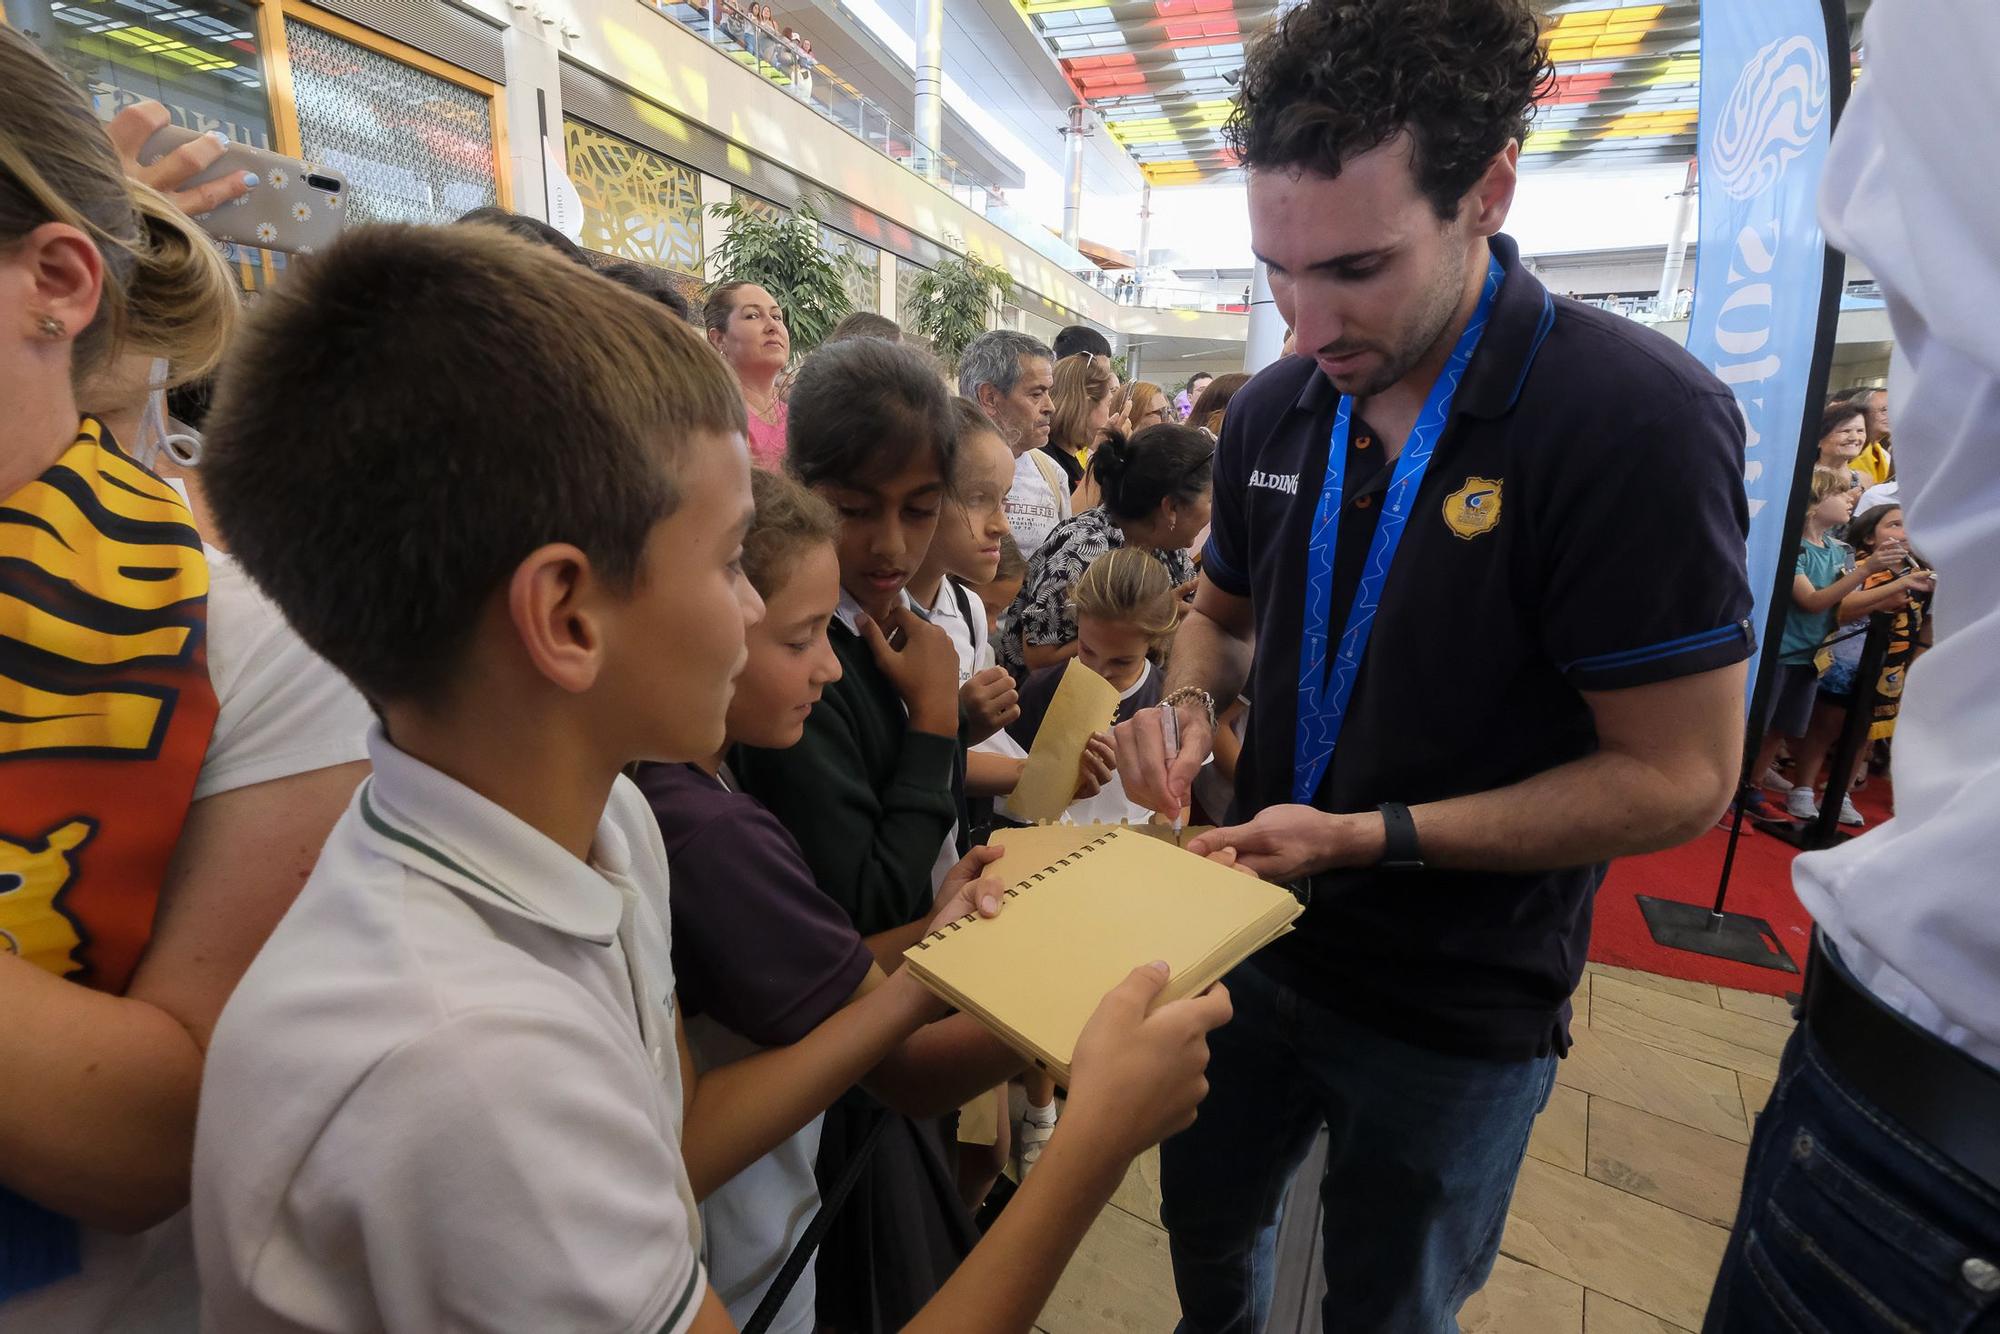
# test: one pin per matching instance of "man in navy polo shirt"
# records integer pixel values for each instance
(1498, 642)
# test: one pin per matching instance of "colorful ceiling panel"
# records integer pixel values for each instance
(1160, 76)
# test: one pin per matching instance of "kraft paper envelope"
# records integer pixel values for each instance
(1084, 704)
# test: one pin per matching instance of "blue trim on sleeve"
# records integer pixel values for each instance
(1542, 327)
(1231, 580)
(1665, 649)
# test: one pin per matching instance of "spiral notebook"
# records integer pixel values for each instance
(1076, 924)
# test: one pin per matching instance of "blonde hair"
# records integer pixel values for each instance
(1130, 586)
(1142, 397)
(1831, 481)
(166, 290)
(1081, 381)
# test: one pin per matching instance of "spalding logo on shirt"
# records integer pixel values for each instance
(1474, 508)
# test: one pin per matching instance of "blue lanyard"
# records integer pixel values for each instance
(1323, 695)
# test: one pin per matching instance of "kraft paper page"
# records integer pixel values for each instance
(1084, 704)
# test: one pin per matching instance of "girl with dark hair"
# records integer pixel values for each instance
(1206, 412)
(747, 326)
(1156, 489)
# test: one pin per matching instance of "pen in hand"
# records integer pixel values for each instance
(1170, 732)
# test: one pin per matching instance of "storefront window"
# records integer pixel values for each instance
(200, 59)
(908, 274)
(413, 147)
(636, 204)
(862, 278)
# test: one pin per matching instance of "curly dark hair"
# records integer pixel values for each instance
(1335, 78)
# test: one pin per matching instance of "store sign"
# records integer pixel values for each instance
(1766, 117)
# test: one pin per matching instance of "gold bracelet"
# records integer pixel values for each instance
(1192, 693)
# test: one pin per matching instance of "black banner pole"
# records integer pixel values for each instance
(1824, 831)
(1712, 931)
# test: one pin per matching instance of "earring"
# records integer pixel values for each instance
(48, 326)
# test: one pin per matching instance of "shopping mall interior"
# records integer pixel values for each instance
(1077, 148)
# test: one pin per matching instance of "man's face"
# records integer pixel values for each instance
(1360, 266)
(1024, 412)
(1877, 412)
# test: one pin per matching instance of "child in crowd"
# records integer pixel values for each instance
(1126, 614)
(869, 792)
(964, 554)
(1156, 488)
(1904, 592)
(153, 833)
(762, 957)
(448, 1093)
(999, 592)
(1824, 575)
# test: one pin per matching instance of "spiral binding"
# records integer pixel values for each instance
(1014, 890)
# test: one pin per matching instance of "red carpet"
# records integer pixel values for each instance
(1760, 886)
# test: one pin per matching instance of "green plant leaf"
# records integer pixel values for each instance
(956, 302)
(782, 253)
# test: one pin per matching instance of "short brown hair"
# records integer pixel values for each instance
(412, 414)
(789, 519)
(1832, 481)
(867, 324)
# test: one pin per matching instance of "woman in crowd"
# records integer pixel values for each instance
(1843, 430)
(747, 327)
(1084, 389)
(149, 844)
(1206, 413)
(1145, 405)
(1184, 400)
(1156, 490)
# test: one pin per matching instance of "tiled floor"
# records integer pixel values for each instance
(1623, 1205)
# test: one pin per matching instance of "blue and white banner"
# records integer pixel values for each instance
(1766, 117)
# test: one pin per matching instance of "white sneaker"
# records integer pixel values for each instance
(1848, 815)
(1032, 1133)
(1775, 780)
(1799, 804)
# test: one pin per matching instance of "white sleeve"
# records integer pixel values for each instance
(500, 1173)
(284, 710)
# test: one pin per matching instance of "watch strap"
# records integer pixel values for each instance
(1399, 845)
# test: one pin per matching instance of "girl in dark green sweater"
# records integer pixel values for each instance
(869, 792)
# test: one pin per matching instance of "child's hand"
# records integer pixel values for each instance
(967, 889)
(1885, 556)
(990, 702)
(1099, 763)
(923, 666)
(1137, 1076)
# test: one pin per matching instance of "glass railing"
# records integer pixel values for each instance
(788, 65)
(1161, 296)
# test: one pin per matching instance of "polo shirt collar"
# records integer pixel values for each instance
(443, 830)
(1523, 313)
(848, 612)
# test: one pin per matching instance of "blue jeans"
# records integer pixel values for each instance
(1848, 1223)
(1422, 1155)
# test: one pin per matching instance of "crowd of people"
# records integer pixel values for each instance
(465, 800)
(757, 30)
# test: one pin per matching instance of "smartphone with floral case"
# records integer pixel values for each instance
(294, 207)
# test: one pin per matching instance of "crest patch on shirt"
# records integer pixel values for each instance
(1474, 508)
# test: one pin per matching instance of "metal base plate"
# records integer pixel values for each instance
(1729, 935)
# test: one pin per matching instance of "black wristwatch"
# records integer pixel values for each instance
(1399, 845)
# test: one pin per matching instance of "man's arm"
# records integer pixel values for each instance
(1212, 652)
(1667, 761)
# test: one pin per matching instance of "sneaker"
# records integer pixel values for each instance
(1848, 815)
(1799, 804)
(1757, 806)
(1775, 780)
(1032, 1133)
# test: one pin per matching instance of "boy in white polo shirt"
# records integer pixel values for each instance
(508, 499)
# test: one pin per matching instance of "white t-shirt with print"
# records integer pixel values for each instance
(1034, 507)
(283, 711)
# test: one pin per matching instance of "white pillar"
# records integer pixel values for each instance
(930, 84)
(1670, 275)
(714, 190)
(885, 288)
(1266, 342)
(1145, 242)
(533, 66)
(1073, 196)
